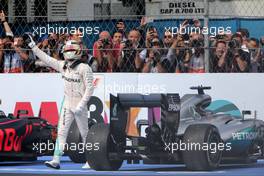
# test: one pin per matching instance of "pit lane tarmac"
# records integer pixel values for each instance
(69, 168)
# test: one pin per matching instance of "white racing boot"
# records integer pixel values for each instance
(54, 164)
(86, 166)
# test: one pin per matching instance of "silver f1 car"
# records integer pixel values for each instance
(186, 132)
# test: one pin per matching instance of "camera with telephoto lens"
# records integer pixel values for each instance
(128, 44)
(185, 37)
(105, 43)
(197, 43)
(234, 44)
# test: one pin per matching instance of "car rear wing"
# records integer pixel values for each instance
(120, 105)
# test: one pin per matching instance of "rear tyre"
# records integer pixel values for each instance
(202, 159)
(98, 158)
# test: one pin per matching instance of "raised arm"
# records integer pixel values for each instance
(49, 61)
(7, 28)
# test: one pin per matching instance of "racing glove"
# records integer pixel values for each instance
(28, 39)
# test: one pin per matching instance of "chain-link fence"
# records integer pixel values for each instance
(179, 36)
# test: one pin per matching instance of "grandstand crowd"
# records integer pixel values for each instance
(140, 49)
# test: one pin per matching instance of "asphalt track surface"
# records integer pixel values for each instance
(68, 168)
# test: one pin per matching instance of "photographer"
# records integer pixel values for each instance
(129, 60)
(220, 60)
(151, 33)
(179, 54)
(103, 53)
(197, 64)
(240, 58)
(11, 54)
(156, 61)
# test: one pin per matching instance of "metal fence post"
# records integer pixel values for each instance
(206, 37)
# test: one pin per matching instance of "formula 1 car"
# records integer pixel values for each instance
(186, 133)
(22, 137)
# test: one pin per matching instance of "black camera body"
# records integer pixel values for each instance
(234, 44)
(128, 44)
(105, 42)
(197, 44)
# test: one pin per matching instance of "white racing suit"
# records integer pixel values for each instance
(78, 88)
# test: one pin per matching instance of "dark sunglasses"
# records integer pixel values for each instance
(167, 36)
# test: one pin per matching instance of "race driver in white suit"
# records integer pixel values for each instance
(78, 88)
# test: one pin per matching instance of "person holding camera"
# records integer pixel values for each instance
(156, 61)
(103, 53)
(220, 58)
(149, 34)
(196, 64)
(12, 55)
(240, 58)
(179, 54)
(129, 60)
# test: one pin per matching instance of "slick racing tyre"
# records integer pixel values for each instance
(99, 159)
(202, 159)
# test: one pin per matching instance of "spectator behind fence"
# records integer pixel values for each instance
(240, 57)
(11, 53)
(262, 53)
(117, 39)
(220, 59)
(255, 55)
(167, 39)
(129, 60)
(151, 33)
(183, 53)
(197, 64)
(244, 33)
(156, 61)
(103, 52)
(121, 28)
